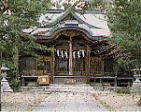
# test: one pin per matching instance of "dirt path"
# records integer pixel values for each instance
(70, 98)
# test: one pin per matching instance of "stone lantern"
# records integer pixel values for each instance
(136, 88)
(4, 83)
(137, 75)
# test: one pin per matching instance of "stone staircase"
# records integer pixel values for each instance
(69, 80)
(58, 88)
(74, 88)
(35, 89)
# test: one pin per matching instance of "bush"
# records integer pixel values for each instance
(139, 103)
(14, 80)
(123, 90)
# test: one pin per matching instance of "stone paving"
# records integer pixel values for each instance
(65, 98)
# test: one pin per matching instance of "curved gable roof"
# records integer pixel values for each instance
(94, 23)
(64, 14)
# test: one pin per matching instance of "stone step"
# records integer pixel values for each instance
(59, 87)
(38, 88)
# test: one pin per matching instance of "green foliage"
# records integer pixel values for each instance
(126, 63)
(124, 18)
(14, 80)
(23, 14)
(99, 5)
(16, 15)
(124, 21)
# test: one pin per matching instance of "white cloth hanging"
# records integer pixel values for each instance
(66, 54)
(62, 54)
(78, 53)
(74, 54)
(58, 53)
(83, 53)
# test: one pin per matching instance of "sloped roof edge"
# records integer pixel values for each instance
(56, 31)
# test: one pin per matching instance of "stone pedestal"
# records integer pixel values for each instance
(136, 87)
(5, 85)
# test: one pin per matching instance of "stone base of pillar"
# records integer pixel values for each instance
(5, 86)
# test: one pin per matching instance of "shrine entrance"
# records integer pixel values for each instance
(62, 66)
(74, 56)
(70, 56)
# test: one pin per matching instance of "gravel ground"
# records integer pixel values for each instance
(70, 94)
(119, 102)
(27, 101)
(70, 102)
(21, 101)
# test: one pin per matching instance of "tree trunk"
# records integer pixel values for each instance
(1, 59)
(16, 61)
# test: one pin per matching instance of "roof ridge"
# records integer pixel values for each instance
(70, 10)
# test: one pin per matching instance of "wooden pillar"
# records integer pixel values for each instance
(70, 58)
(88, 62)
(53, 65)
(102, 66)
(43, 65)
(82, 67)
(115, 83)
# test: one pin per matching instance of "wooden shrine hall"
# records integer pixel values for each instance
(78, 47)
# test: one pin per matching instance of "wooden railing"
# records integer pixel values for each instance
(34, 72)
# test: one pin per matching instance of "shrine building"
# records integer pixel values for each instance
(78, 47)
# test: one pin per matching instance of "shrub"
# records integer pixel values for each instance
(14, 80)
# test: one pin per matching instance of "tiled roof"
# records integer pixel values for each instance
(94, 23)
